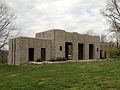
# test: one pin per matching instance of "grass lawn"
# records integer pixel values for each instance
(100, 75)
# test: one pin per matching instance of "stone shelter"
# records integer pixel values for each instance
(52, 44)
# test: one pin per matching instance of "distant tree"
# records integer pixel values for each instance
(112, 50)
(7, 26)
(103, 38)
(115, 37)
(112, 15)
(90, 32)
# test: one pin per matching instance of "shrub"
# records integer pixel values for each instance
(39, 60)
(116, 57)
(112, 52)
(59, 59)
(64, 58)
(44, 62)
(52, 59)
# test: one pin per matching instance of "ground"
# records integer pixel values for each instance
(96, 75)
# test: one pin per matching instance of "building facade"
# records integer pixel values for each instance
(52, 44)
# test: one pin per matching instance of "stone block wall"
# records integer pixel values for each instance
(19, 49)
(61, 37)
(48, 35)
(51, 40)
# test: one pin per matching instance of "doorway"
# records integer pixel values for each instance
(80, 51)
(91, 51)
(31, 54)
(101, 54)
(68, 50)
(43, 54)
(105, 56)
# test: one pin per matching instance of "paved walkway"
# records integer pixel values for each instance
(47, 62)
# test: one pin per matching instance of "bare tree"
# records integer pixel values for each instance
(103, 38)
(115, 37)
(7, 24)
(112, 14)
(90, 32)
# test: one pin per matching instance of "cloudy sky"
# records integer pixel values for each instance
(71, 15)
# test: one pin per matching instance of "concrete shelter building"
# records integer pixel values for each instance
(52, 44)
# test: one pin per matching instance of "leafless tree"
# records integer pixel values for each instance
(103, 38)
(91, 32)
(112, 14)
(7, 24)
(115, 37)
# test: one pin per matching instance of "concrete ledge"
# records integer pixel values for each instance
(49, 62)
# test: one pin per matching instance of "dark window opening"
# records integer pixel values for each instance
(91, 51)
(43, 54)
(31, 54)
(68, 50)
(101, 54)
(97, 49)
(60, 48)
(105, 55)
(80, 51)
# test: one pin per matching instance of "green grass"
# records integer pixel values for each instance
(101, 75)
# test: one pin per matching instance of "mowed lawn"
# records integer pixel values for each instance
(97, 75)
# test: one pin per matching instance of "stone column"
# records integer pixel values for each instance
(86, 51)
(75, 51)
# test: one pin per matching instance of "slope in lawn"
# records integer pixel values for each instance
(72, 76)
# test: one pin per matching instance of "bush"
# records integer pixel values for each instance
(64, 58)
(59, 59)
(39, 60)
(116, 57)
(52, 59)
(112, 52)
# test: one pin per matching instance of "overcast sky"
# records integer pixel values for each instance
(71, 15)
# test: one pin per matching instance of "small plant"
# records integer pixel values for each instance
(44, 62)
(59, 59)
(52, 59)
(29, 63)
(116, 57)
(39, 60)
(64, 58)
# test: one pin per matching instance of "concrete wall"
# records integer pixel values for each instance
(51, 40)
(59, 37)
(49, 35)
(14, 51)
(19, 47)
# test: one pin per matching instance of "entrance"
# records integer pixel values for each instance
(105, 55)
(101, 54)
(31, 54)
(91, 51)
(80, 51)
(68, 50)
(43, 54)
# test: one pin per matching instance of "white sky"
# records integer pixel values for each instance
(71, 15)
